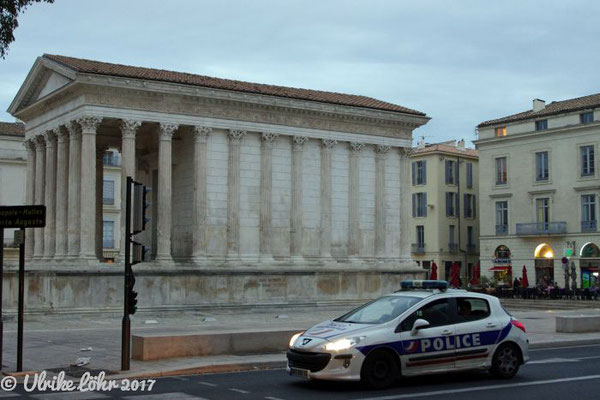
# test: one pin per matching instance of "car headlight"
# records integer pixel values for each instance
(343, 344)
(294, 338)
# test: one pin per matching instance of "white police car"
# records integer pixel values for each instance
(424, 328)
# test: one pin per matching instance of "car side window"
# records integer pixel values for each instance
(471, 309)
(437, 313)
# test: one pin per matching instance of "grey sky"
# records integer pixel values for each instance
(461, 62)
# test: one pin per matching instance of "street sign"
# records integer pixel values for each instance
(22, 217)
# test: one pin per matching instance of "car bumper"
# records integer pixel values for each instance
(343, 366)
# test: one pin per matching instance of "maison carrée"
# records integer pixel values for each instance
(260, 193)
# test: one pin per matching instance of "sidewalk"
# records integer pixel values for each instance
(56, 342)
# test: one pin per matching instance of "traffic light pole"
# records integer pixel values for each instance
(126, 325)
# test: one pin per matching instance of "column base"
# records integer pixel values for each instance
(266, 259)
(297, 260)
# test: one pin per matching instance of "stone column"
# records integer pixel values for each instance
(233, 194)
(354, 200)
(50, 197)
(380, 217)
(199, 211)
(40, 192)
(164, 217)
(128, 132)
(30, 194)
(405, 211)
(296, 204)
(326, 149)
(266, 191)
(89, 125)
(62, 190)
(99, 202)
(74, 200)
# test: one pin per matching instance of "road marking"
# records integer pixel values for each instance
(272, 398)
(239, 391)
(170, 396)
(588, 358)
(553, 360)
(179, 378)
(207, 384)
(483, 388)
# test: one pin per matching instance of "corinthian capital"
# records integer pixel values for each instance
(298, 142)
(382, 149)
(29, 145)
(406, 151)
(201, 133)
(165, 131)
(268, 138)
(61, 134)
(89, 123)
(236, 135)
(328, 144)
(40, 142)
(356, 147)
(129, 128)
(50, 137)
(73, 130)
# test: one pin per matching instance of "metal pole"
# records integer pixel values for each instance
(126, 326)
(1, 297)
(21, 298)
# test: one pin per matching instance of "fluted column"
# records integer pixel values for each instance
(129, 130)
(325, 201)
(30, 194)
(62, 168)
(199, 208)
(296, 204)
(380, 217)
(266, 190)
(50, 197)
(74, 196)
(40, 192)
(353, 200)
(405, 212)
(163, 224)
(99, 202)
(88, 186)
(233, 194)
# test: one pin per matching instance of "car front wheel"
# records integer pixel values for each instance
(505, 363)
(380, 369)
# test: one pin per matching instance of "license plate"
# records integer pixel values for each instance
(302, 373)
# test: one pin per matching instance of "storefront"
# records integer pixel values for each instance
(589, 263)
(502, 266)
(544, 265)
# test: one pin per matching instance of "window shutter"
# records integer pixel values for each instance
(414, 205)
(457, 208)
(465, 201)
(424, 172)
(447, 204)
(425, 204)
(447, 164)
(474, 206)
(414, 176)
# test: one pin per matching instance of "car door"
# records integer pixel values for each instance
(429, 349)
(476, 331)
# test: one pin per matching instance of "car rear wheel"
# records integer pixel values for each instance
(380, 369)
(506, 362)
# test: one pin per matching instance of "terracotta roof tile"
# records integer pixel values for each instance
(12, 129)
(556, 107)
(126, 71)
(443, 148)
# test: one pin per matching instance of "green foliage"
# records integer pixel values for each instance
(9, 10)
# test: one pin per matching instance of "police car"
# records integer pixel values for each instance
(424, 328)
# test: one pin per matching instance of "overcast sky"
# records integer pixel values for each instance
(461, 62)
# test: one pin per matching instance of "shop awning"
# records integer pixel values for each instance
(591, 269)
(500, 268)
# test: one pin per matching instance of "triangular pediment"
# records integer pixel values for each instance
(44, 78)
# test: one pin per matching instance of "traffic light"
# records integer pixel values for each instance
(138, 252)
(140, 207)
(131, 294)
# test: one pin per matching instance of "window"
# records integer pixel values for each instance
(379, 311)
(451, 172)
(541, 125)
(588, 213)
(419, 204)
(108, 192)
(586, 117)
(541, 166)
(469, 201)
(451, 234)
(500, 131)
(542, 207)
(108, 234)
(111, 158)
(469, 175)
(501, 171)
(501, 217)
(470, 236)
(420, 236)
(437, 313)
(419, 173)
(588, 166)
(471, 309)
(451, 204)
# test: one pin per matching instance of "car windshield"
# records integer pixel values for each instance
(380, 310)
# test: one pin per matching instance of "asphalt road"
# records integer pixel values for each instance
(562, 373)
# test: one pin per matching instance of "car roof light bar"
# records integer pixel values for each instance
(424, 284)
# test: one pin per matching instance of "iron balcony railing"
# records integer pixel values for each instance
(453, 247)
(589, 226)
(501, 229)
(542, 228)
(418, 248)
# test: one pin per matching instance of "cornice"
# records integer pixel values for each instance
(536, 134)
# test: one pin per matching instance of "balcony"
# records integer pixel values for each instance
(589, 226)
(418, 248)
(501, 230)
(471, 249)
(453, 247)
(542, 228)
(111, 160)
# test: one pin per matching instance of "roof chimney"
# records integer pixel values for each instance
(538, 105)
(460, 145)
(421, 144)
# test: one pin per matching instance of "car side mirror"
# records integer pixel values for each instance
(418, 325)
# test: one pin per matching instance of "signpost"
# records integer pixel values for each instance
(18, 217)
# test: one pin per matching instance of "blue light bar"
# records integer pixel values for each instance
(423, 284)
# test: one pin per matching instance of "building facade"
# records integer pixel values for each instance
(539, 185)
(445, 221)
(260, 193)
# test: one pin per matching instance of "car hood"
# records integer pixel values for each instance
(326, 332)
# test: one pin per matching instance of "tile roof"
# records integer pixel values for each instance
(126, 71)
(12, 129)
(556, 107)
(444, 148)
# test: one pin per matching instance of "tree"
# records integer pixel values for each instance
(9, 10)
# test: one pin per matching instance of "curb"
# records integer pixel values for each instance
(563, 343)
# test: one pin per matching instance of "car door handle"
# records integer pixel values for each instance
(491, 325)
(446, 332)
